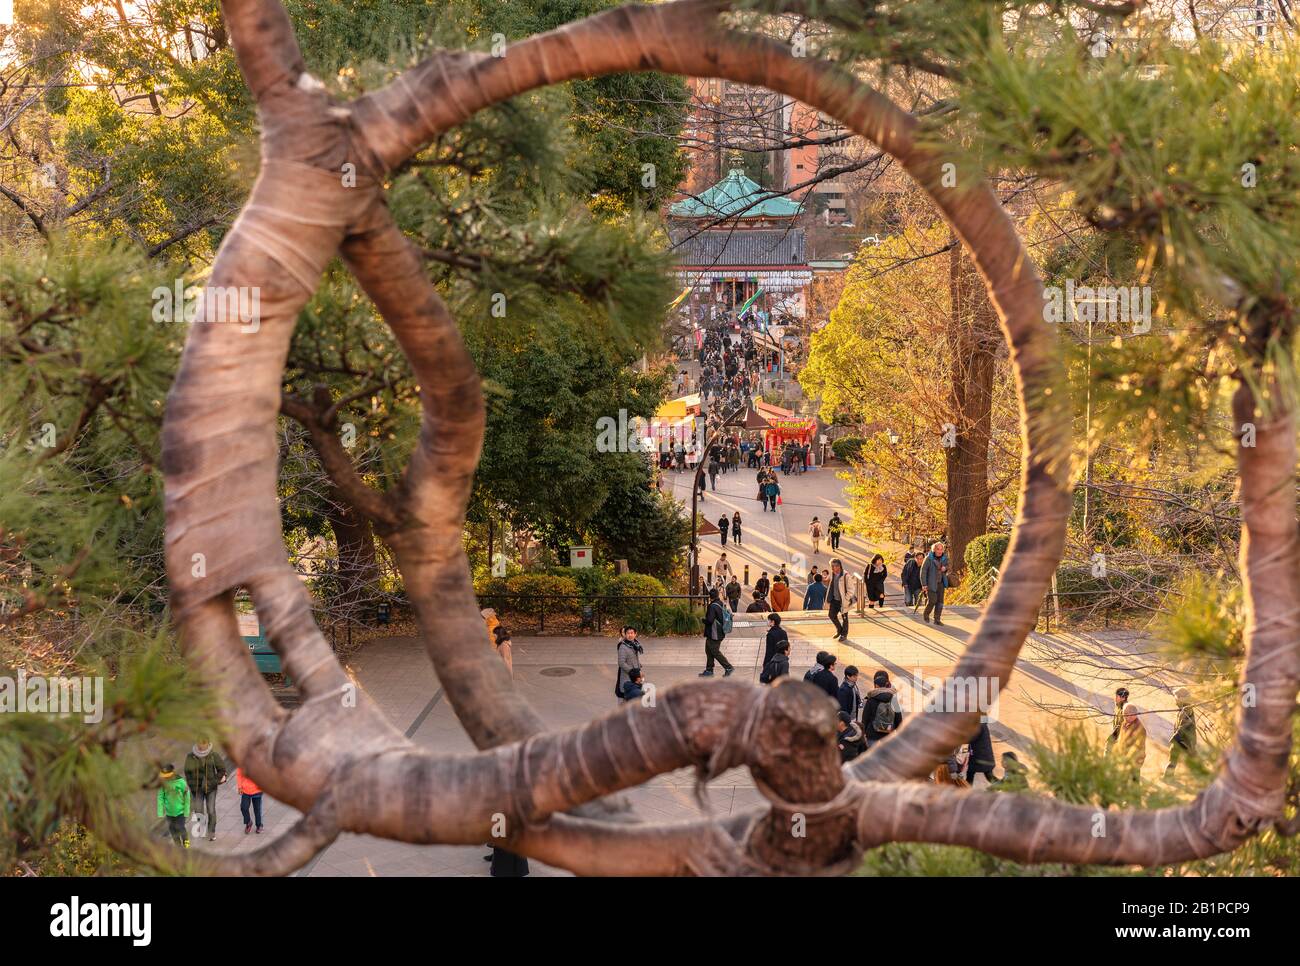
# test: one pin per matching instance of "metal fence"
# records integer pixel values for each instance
(591, 609)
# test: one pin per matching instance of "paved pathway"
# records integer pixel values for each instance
(569, 681)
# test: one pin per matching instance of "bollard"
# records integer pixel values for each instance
(708, 576)
(746, 580)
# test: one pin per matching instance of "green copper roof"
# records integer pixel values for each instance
(736, 195)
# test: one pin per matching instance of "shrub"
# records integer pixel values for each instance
(633, 585)
(983, 554)
(848, 448)
(545, 584)
(591, 581)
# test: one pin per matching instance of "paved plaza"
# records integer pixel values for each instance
(569, 681)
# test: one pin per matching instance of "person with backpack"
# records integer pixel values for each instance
(629, 652)
(835, 527)
(881, 716)
(724, 522)
(815, 531)
(849, 696)
(814, 598)
(717, 624)
(205, 773)
(778, 665)
(848, 737)
(822, 674)
(174, 804)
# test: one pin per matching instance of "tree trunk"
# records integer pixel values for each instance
(973, 337)
(358, 572)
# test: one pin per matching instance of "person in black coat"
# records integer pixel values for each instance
(776, 637)
(981, 755)
(850, 697)
(874, 577)
(778, 666)
(911, 578)
(872, 713)
(713, 636)
(823, 674)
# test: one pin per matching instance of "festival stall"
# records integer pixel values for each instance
(786, 427)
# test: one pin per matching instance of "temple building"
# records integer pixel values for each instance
(739, 247)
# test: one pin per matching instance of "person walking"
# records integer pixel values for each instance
(1117, 718)
(934, 576)
(838, 597)
(205, 772)
(815, 531)
(773, 491)
(981, 756)
(629, 651)
(911, 579)
(778, 665)
(505, 648)
(713, 474)
(250, 796)
(848, 737)
(635, 686)
(735, 528)
(762, 586)
(724, 524)
(835, 527)
(874, 579)
(780, 596)
(174, 804)
(715, 622)
(881, 714)
(733, 594)
(850, 697)
(1131, 745)
(1183, 743)
(775, 637)
(723, 569)
(822, 674)
(814, 598)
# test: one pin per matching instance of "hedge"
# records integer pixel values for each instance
(983, 554)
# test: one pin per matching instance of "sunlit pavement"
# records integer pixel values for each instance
(569, 681)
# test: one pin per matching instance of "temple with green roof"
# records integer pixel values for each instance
(738, 244)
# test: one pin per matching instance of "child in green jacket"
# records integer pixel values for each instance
(174, 804)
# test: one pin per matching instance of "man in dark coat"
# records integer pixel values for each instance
(822, 674)
(911, 578)
(713, 636)
(981, 755)
(850, 697)
(877, 723)
(776, 636)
